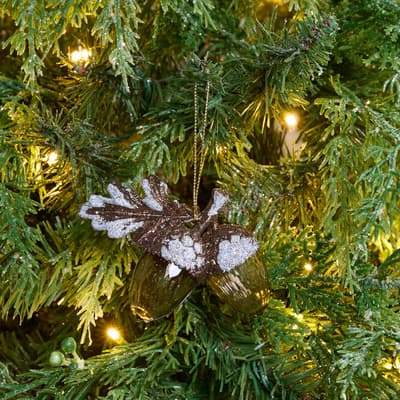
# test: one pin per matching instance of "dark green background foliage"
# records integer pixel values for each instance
(330, 333)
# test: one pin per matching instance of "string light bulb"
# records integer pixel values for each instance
(308, 267)
(52, 158)
(291, 119)
(80, 56)
(113, 333)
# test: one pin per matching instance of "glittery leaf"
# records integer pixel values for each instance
(160, 226)
(150, 218)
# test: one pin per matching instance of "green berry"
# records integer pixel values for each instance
(68, 345)
(56, 358)
(73, 365)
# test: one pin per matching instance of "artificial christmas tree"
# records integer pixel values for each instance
(290, 109)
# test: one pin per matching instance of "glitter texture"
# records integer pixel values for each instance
(235, 251)
(116, 228)
(149, 200)
(219, 199)
(183, 252)
(117, 196)
(172, 271)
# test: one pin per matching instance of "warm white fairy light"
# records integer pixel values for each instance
(113, 333)
(291, 119)
(308, 267)
(52, 158)
(80, 56)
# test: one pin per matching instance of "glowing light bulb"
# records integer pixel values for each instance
(113, 333)
(308, 267)
(291, 119)
(80, 56)
(52, 158)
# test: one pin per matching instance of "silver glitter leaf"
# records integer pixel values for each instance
(150, 218)
(166, 228)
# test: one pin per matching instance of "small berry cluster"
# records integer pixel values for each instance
(68, 346)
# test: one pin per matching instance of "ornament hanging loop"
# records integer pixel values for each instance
(199, 156)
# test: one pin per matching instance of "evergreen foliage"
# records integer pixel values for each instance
(68, 128)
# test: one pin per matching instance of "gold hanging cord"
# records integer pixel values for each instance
(199, 156)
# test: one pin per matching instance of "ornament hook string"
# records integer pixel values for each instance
(199, 156)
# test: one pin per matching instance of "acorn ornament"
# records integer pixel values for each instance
(153, 292)
(181, 246)
(180, 250)
(244, 288)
